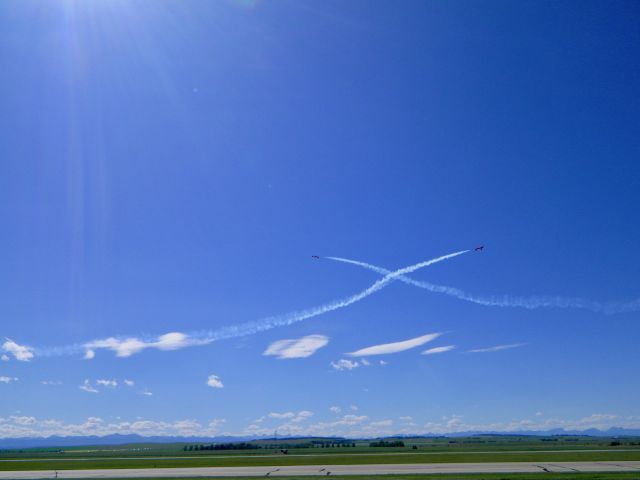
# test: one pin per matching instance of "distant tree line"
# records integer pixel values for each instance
(321, 444)
(220, 446)
(268, 446)
(383, 443)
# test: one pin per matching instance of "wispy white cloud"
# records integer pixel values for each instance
(344, 364)
(129, 383)
(395, 347)
(497, 348)
(4, 379)
(335, 409)
(291, 416)
(87, 387)
(146, 393)
(4, 357)
(281, 416)
(354, 408)
(214, 382)
(297, 348)
(22, 353)
(303, 415)
(50, 382)
(216, 422)
(107, 383)
(432, 351)
(129, 346)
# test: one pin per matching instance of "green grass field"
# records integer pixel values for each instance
(419, 450)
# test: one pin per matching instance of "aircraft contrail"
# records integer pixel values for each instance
(268, 323)
(530, 302)
(134, 345)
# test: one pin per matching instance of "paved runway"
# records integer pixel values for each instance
(319, 470)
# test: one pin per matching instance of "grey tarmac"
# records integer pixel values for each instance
(324, 470)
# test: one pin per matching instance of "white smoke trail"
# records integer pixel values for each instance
(268, 323)
(134, 345)
(530, 302)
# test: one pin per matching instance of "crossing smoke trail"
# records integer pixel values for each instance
(268, 323)
(531, 302)
(249, 328)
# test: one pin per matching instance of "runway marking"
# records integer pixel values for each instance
(562, 466)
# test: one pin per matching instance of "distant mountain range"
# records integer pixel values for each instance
(55, 441)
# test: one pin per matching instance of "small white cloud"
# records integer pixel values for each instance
(89, 354)
(395, 347)
(335, 409)
(354, 408)
(19, 352)
(4, 379)
(297, 348)
(129, 383)
(352, 419)
(383, 363)
(291, 416)
(406, 418)
(172, 341)
(344, 364)
(87, 387)
(539, 414)
(497, 348)
(50, 382)
(5, 357)
(302, 416)
(146, 393)
(107, 383)
(433, 351)
(216, 422)
(214, 381)
(282, 416)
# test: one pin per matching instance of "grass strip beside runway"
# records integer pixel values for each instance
(284, 460)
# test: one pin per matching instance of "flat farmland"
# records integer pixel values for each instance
(263, 453)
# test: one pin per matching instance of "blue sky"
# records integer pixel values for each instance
(169, 167)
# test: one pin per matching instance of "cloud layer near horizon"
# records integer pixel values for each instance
(299, 424)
